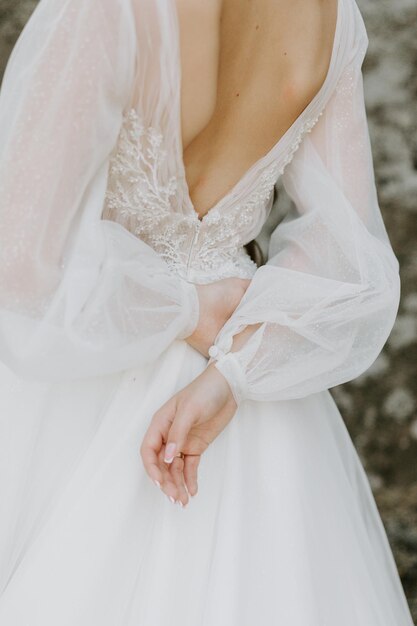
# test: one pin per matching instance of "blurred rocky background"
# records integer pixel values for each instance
(380, 407)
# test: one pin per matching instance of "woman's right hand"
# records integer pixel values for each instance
(218, 300)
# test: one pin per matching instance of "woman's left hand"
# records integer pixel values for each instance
(188, 422)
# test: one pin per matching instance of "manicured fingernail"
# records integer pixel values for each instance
(157, 483)
(171, 499)
(169, 452)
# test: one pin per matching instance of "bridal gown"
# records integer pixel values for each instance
(100, 252)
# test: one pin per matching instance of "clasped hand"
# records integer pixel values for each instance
(191, 419)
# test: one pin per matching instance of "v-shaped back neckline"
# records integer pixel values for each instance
(269, 155)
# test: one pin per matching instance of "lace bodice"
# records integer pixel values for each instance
(146, 201)
(138, 197)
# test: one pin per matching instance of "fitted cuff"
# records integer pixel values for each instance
(190, 306)
(228, 364)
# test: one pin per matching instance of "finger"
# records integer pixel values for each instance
(176, 470)
(168, 485)
(151, 445)
(185, 418)
(191, 463)
(153, 441)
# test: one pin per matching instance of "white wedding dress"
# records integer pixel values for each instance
(100, 251)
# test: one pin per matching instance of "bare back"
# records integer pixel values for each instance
(248, 70)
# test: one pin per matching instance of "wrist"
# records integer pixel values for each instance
(228, 364)
(225, 354)
(220, 385)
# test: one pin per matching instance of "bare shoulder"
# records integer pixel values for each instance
(274, 57)
(309, 36)
(301, 42)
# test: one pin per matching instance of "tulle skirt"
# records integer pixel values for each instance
(284, 530)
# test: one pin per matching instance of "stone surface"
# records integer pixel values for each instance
(380, 406)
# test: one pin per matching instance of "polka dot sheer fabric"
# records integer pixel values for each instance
(99, 265)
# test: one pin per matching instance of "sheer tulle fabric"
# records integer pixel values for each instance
(329, 292)
(284, 529)
(81, 296)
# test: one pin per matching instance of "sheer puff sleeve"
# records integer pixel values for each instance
(328, 295)
(79, 295)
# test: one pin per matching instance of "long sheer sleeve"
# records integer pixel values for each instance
(328, 295)
(79, 295)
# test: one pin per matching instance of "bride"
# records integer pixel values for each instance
(169, 450)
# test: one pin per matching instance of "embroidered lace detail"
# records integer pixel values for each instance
(143, 195)
(305, 127)
(137, 192)
(220, 235)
